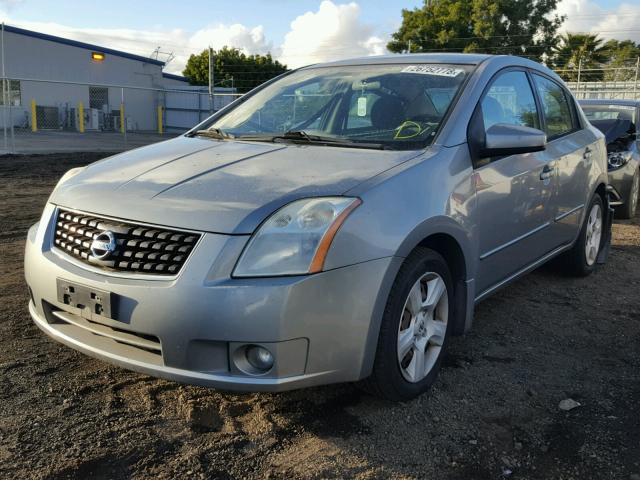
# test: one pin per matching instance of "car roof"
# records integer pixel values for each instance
(471, 59)
(456, 58)
(626, 102)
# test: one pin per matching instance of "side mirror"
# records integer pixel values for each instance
(504, 139)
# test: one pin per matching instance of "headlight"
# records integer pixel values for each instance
(618, 159)
(295, 239)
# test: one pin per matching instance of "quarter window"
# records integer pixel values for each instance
(555, 107)
(510, 100)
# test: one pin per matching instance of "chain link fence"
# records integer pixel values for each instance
(45, 116)
(606, 90)
(50, 116)
(621, 82)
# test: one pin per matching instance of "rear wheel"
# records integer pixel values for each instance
(628, 209)
(581, 259)
(414, 329)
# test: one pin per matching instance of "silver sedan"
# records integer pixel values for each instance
(337, 224)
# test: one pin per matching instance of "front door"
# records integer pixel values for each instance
(514, 192)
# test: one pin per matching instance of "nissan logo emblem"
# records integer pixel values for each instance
(103, 245)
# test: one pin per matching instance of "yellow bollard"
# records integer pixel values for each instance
(160, 119)
(80, 117)
(122, 125)
(34, 117)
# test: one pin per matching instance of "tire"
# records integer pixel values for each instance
(577, 261)
(628, 209)
(424, 274)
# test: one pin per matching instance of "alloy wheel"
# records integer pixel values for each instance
(594, 234)
(423, 326)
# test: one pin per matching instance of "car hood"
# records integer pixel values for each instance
(612, 128)
(217, 186)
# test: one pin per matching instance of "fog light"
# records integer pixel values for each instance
(259, 358)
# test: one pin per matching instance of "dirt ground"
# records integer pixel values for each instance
(492, 414)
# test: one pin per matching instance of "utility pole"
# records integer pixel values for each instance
(409, 47)
(211, 78)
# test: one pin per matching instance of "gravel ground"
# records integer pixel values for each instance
(493, 413)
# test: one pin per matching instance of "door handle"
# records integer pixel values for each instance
(587, 154)
(547, 172)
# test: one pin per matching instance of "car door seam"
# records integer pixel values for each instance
(514, 241)
(566, 214)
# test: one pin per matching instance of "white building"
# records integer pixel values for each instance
(60, 74)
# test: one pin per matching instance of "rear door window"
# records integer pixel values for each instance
(558, 116)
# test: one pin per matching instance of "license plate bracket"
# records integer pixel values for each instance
(91, 301)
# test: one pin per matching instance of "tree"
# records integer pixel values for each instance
(516, 27)
(580, 50)
(232, 68)
(623, 57)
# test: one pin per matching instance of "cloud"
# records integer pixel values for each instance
(249, 40)
(7, 5)
(332, 32)
(139, 42)
(587, 16)
(144, 42)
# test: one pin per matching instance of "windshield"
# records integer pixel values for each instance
(397, 106)
(610, 112)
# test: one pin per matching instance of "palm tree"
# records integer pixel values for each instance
(579, 49)
(623, 55)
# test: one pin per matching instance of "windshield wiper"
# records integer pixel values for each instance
(300, 136)
(216, 133)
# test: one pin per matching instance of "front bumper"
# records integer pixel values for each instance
(620, 180)
(321, 328)
(609, 212)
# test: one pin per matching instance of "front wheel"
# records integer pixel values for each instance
(581, 259)
(415, 328)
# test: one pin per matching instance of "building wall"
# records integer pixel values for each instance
(31, 57)
(36, 58)
(172, 83)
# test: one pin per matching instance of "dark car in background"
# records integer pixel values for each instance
(618, 121)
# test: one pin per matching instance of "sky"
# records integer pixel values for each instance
(296, 32)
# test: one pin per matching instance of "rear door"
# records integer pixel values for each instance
(573, 148)
(513, 192)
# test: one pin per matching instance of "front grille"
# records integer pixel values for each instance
(138, 248)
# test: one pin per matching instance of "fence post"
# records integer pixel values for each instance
(123, 125)
(579, 72)
(635, 80)
(160, 119)
(4, 109)
(34, 118)
(211, 80)
(80, 117)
